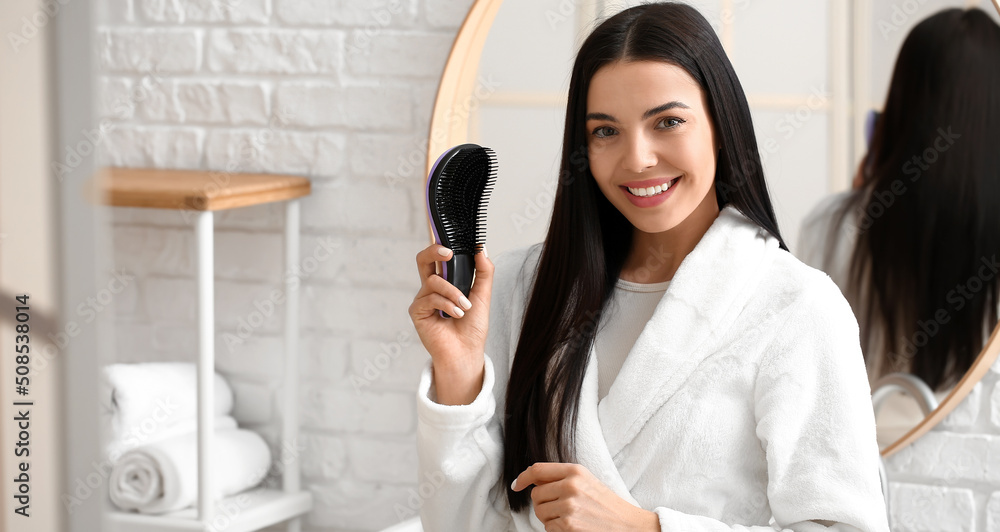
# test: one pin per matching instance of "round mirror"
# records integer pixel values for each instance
(505, 86)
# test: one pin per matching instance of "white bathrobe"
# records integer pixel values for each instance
(899, 412)
(743, 405)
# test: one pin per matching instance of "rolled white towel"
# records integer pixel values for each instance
(143, 403)
(136, 437)
(163, 476)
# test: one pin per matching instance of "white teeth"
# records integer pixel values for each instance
(650, 191)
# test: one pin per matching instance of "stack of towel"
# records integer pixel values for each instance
(150, 413)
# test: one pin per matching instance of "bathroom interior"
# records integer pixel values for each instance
(310, 127)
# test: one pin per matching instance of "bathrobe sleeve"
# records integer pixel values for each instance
(459, 453)
(459, 447)
(815, 423)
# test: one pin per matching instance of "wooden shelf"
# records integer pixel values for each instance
(199, 190)
(251, 510)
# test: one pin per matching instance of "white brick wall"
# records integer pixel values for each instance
(340, 92)
(949, 480)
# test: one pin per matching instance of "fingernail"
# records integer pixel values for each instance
(459, 312)
(465, 302)
(485, 254)
(513, 485)
(444, 252)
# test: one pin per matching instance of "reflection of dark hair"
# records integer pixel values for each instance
(588, 238)
(929, 211)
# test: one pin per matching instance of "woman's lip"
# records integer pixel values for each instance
(649, 182)
(649, 201)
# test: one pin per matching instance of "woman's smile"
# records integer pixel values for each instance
(651, 192)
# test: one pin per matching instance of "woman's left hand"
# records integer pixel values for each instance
(567, 497)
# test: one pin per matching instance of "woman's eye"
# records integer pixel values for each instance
(603, 131)
(671, 122)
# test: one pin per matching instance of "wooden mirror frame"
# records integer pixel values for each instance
(447, 130)
(982, 364)
(458, 80)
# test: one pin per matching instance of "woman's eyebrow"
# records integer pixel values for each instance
(647, 114)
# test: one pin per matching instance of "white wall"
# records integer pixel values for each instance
(342, 92)
(949, 479)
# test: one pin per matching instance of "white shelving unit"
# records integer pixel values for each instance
(251, 510)
(204, 193)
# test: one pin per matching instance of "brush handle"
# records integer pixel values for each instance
(459, 271)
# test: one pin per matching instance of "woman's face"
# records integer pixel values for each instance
(648, 129)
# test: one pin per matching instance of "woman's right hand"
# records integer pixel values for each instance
(456, 344)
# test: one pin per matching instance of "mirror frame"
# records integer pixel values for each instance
(979, 368)
(449, 129)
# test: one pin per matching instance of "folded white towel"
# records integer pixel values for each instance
(163, 476)
(146, 402)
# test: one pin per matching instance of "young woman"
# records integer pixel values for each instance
(660, 361)
(915, 246)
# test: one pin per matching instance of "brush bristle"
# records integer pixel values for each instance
(461, 194)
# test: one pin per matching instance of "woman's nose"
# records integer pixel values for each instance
(640, 154)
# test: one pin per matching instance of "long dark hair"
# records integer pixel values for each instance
(927, 217)
(588, 238)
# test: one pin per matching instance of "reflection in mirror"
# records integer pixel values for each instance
(908, 183)
(800, 83)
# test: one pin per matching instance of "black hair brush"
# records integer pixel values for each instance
(458, 189)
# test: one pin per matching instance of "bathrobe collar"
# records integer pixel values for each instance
(708, 291)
